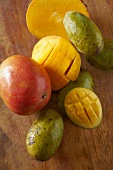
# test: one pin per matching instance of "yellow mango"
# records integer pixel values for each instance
(60, 59)
(83, 107)
(45, 17)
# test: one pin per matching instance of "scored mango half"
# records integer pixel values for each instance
(60, 59)
(83, 107)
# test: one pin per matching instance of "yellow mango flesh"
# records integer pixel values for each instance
(60, 59)
(45, 17)
(83, 107)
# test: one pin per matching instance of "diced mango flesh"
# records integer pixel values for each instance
(60, 59)
(83, 107)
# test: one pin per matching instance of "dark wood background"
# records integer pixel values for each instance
(81, 149)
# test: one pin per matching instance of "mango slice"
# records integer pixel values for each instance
(45, 18)
(83, 107)
(60, 59)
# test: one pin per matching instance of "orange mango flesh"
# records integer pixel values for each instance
(83, 107)
(45, 17)
(60, 59)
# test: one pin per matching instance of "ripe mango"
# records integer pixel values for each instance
(60, 59)
(83, 33)
(25, 86)
(83, 107)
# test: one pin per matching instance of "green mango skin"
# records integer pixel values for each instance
(84, 79)
(45, 135)
(83, 33)
(104, 60)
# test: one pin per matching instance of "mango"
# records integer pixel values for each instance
(45, 135)
(83, 33)
(60, 59)
(45, 18)
(84, 79)
(104, 60)
(83, 107)
(25, 85)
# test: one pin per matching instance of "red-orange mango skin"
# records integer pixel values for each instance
(25, 85)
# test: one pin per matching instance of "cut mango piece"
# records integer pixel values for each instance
(57, 82)
(60, 59)
(83, 107)
(45, 18)
(74, 68)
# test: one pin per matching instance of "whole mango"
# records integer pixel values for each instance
(45, 135)
(25, 85)
(83, 33)
(104, 60)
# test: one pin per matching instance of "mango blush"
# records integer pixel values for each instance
(25, 85)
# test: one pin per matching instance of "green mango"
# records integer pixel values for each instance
(104, 60)
(84, 79)
(83, 33)
(45, 135)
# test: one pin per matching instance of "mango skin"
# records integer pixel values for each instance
(104, 60)
(84, 79)
(45, 135)
(83, 33)
(25, 86)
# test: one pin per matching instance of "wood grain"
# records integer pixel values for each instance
(81, 149)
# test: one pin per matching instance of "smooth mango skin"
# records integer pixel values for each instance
(84, 79)
(104, 60)
(83, 107)
(25, 86)
(83, 33)
(45, 135)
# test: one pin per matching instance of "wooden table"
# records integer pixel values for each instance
(81, 149)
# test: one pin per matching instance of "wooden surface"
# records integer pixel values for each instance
(81, 149)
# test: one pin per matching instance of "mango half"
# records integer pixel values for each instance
(83, 107)
(84, 79)
(60, 59)
(45, 18)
